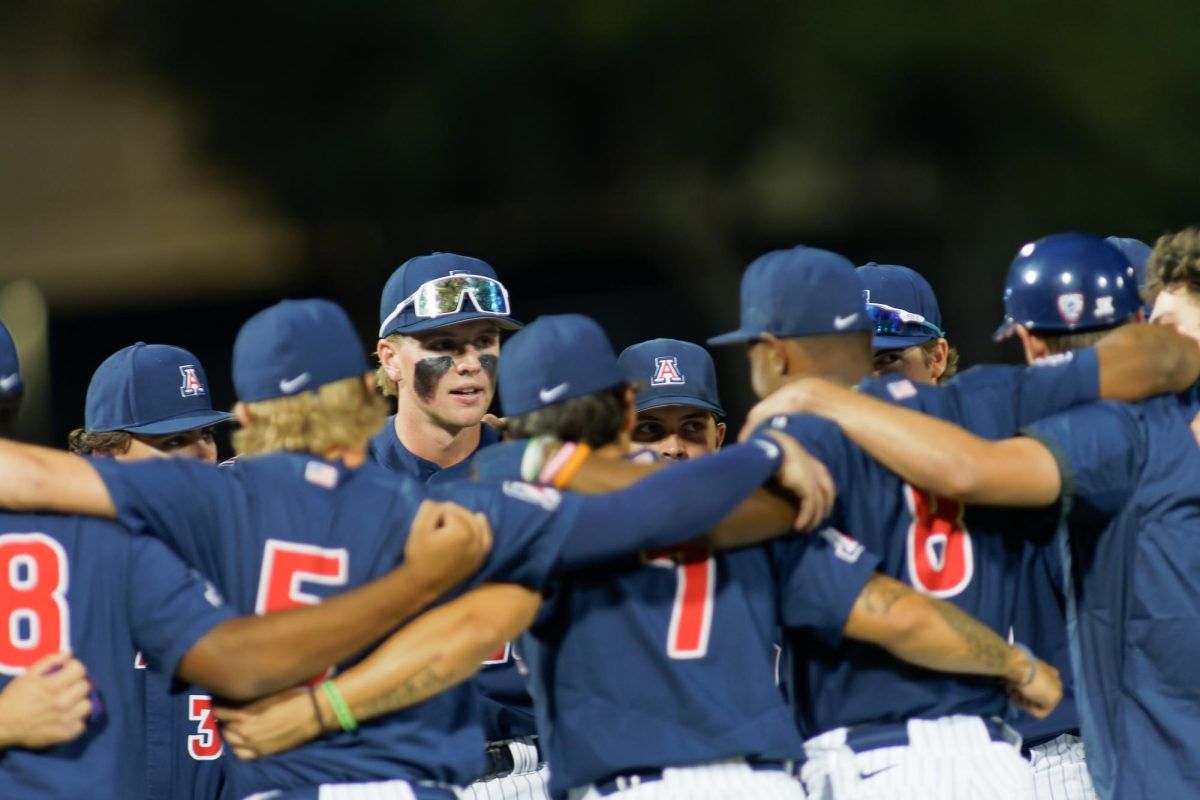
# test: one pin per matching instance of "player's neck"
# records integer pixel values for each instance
(352, 457)
(434, 440)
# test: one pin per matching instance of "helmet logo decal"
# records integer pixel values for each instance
(1070, 307)
(1104, 307)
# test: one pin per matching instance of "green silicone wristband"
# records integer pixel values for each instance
(340, 709)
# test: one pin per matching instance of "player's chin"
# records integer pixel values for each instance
(464, 409)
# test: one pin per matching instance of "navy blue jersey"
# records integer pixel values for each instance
(668, 659)
(1040, 622)
(935, 545)
(287, 529)
(184, 752)
(70, 583)
(389, 452)
(1130, 482)
(504, 701)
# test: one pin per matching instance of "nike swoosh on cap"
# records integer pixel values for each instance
(841, 323)
(9, 382)
(552, 394)
(288, 386)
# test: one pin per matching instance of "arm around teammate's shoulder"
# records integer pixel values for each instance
(36, 478)
(938, 635)
(247, 657)
(930, 453)
(438, 650)
(1140, 361)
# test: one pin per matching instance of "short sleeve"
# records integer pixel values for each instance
(179, 501)
(824, 441)
(819, 579)
(1099, 449)
(170, 607)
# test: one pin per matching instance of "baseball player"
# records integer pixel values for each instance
(909, 339)
(800, 312)
(440, 318)
(1093, 271)
(145, 401)
(300, 373)
(678, 413)
(1067, 292)
(49, 703)
(1124, 476)
(148, 400)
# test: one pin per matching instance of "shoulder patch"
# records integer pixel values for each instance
(542, 496)
(321, 474)
(845, 547)
(902, 390)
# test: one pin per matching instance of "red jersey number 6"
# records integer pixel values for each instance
(33, 600)
(941, 559)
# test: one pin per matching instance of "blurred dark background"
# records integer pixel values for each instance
(171, 167)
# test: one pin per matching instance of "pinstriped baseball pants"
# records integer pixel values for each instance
(951, 758)
(528, 780)
(1060, 770)
(732, 780)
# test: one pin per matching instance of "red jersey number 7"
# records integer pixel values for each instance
(692, 611)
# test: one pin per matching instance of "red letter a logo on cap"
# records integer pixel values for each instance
(666, 371)
(191, 384)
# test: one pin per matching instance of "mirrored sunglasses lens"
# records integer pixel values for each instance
(885, 320)
(445, 296)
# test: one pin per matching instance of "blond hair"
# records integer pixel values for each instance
(386, 386)
(344, 413)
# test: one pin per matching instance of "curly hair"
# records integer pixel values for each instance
(1174, 263)
(343, 413)
(927, 353)
(594, 419)
(81, 442)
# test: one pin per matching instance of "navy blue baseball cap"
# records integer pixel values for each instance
(671, 373)
(151, 389)
(555, 358)
(901, 305)
(431, 291)
(295, 346)
(10, 365)
(1068, 282)
(803, 291)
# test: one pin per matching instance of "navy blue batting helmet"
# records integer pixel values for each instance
(1068, 282)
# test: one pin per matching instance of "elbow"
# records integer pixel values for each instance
(962, 479)
(484, 633)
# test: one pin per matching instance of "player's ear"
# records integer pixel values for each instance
(369, 382)
(777, 356)
(241, 414)
(1035, 346)
(388, 354)
(721, 429)
(941, 357)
